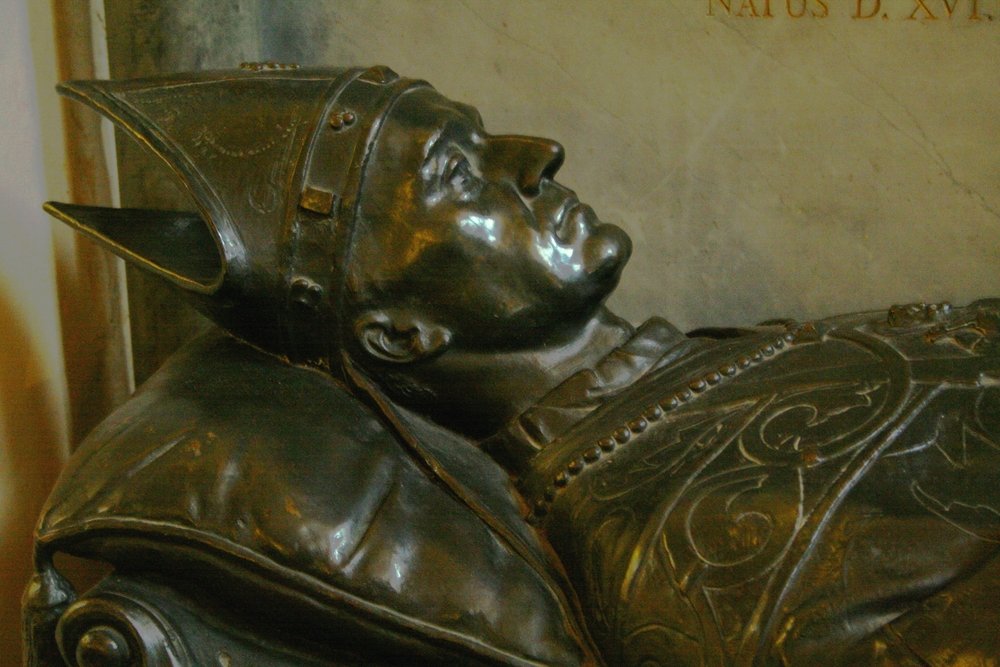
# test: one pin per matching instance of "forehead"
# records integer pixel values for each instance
(426, 105)
(424, 115)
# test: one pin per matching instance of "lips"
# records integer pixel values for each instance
(573, 217)
(604, 248)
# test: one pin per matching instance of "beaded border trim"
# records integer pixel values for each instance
(622, 434)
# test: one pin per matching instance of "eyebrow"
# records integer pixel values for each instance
(443, 136)
(448, 130)
(472, 113)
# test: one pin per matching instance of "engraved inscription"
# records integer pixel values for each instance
(907, 10)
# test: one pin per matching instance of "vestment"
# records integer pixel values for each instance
(813, 494)
(799, 494)
(251, 489)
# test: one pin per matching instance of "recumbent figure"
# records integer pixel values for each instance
(417, 436)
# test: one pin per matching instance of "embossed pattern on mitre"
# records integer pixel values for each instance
(257, 150)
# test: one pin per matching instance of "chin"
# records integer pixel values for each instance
(606, 252)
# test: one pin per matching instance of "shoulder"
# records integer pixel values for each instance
(230, 460)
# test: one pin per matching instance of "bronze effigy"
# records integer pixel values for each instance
(418, 437)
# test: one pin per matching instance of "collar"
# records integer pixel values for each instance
(655, 344)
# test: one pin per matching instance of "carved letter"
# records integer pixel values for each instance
(725, 4)
(950, 8)
(767, 10)
(748, 3)
(824, 11)
(873, 12)
(921, 5)
(788, 6)
(974, 16)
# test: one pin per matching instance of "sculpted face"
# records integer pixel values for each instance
(469, 233)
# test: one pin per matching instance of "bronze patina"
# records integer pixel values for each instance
(417, 436)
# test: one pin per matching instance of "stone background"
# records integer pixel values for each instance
(765, 166)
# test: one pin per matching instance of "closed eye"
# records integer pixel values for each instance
(458, 175)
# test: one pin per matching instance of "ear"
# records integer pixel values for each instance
(400, 336)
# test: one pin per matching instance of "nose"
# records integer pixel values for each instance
(529, 160)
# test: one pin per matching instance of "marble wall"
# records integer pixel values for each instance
(770, 158)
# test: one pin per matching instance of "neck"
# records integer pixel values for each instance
(475, 392)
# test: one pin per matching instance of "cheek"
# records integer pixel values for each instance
(502, 244)
(506, 227)
(483, 286)
(482, 229)
(510, 263)
(496, 215)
